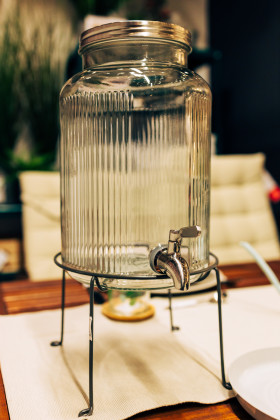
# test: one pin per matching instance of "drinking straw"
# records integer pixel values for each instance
(262, 264)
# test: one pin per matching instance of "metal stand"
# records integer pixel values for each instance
(172, 326)
(227, 385)
(95, 281)
(59, 343)
(87, 411)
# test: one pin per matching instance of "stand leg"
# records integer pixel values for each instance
(88, 411)
(59, 343)
(227, 385)
(172, 326)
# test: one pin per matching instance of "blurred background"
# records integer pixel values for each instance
(236, 49)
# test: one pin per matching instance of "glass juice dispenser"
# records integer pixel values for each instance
(135, 159)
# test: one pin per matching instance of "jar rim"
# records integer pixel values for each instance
(135, 29)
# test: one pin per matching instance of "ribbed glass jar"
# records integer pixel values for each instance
(135, 152)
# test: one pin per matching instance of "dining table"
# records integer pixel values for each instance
(22, 296)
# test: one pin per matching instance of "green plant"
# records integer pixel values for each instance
(10, 48)
(30, 81)
(41, 80)
(131, 295)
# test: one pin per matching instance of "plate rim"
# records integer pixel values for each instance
(257, 411)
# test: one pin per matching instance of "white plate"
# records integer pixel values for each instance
(255, 377)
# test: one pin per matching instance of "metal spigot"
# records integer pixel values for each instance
(168, 260)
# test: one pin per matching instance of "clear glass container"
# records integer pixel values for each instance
(135, 153)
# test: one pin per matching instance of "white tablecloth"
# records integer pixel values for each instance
(137, 366)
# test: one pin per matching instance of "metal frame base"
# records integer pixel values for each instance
(95, 281)
(226, 384)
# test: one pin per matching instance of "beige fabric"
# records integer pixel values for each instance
(137, 366)
(41, 223)
(240, 209)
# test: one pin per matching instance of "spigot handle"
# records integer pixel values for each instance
(176, 236)
(169, 260)
(185, 232)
